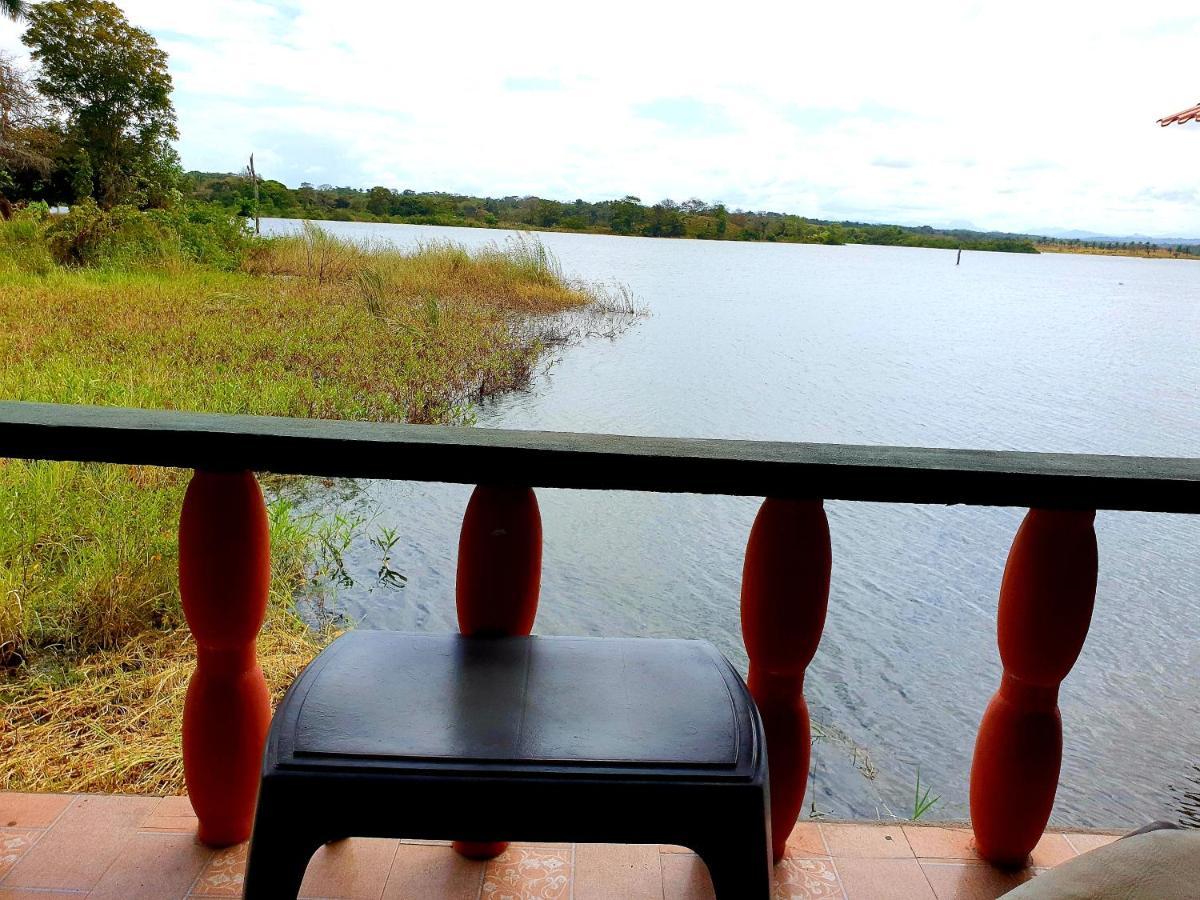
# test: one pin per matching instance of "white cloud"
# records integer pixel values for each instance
(1016, 116)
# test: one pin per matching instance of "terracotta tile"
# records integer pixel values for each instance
(153, 866)
(801, 879)
(884, 879)
(172, 814)
(19, 894)
(224, 874)
(866, 841)
(174, 806)
(169, 825)
(1083, 842)
(353, 869)
(77, 851)
(958, 881)
(15, 843)
(523, 873)
(805, 840)
(1051, 850)
(31, 810)
(685, 877)
(632, 871)
(433, 871)
(936, 842)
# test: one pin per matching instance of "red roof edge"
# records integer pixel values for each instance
(1188, 115)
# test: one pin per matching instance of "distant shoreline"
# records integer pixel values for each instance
(1152, 252)
(694, 218)
(910, 239)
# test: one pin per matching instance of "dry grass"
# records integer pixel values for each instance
(110, 721)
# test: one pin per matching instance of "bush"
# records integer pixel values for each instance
(207, 234)
(124, 237)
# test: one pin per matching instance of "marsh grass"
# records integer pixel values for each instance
(92, 636)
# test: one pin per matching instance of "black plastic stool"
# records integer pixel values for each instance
(526, 738)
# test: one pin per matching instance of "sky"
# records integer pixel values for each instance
(1011, 116)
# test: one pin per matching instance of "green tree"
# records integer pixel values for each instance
(108, 81)
(627, 214)
(14, 9)
(379, 201)
(27, 145)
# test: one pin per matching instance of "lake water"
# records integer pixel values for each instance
(871, 345)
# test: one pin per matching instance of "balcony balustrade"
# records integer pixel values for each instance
(1046, 597)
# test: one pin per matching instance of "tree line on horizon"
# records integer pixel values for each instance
(627, 215)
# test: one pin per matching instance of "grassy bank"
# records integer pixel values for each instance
(184, 311)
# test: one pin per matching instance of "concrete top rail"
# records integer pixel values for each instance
(598, 461)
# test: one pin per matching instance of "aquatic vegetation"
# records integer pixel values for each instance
(178, 311)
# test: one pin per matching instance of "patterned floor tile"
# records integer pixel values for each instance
(524, 873)
(802, 879)
(13, 844)
(224, 874)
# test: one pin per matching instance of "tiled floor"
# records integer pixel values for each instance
(56, 846)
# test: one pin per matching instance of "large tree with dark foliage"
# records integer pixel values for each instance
(27, 142)
(108, 83)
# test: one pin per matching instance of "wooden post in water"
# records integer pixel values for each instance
(254, 183)
(958, 259)
(224, 576)
(785, 593)
(498, 581)
(1046, 601)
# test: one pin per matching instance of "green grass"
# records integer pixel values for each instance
(922, 802)
(300, 326)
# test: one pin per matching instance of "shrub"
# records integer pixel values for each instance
(207, 234)
(91, 236)
(124, 237)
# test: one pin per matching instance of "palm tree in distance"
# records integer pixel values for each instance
(14, 9)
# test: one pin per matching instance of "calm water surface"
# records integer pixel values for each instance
(871, 345)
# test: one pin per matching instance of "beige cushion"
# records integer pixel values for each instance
(1160, 865)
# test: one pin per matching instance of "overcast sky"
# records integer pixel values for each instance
(999, 115)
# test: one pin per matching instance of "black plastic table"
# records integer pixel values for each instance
(518, 738)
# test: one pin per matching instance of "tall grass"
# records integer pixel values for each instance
(112, 310)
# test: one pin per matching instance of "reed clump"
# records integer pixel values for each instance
(166, 312)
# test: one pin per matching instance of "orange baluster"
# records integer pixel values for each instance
(499, 577)
(224, 576)
(1046, 601)
(785, 593)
